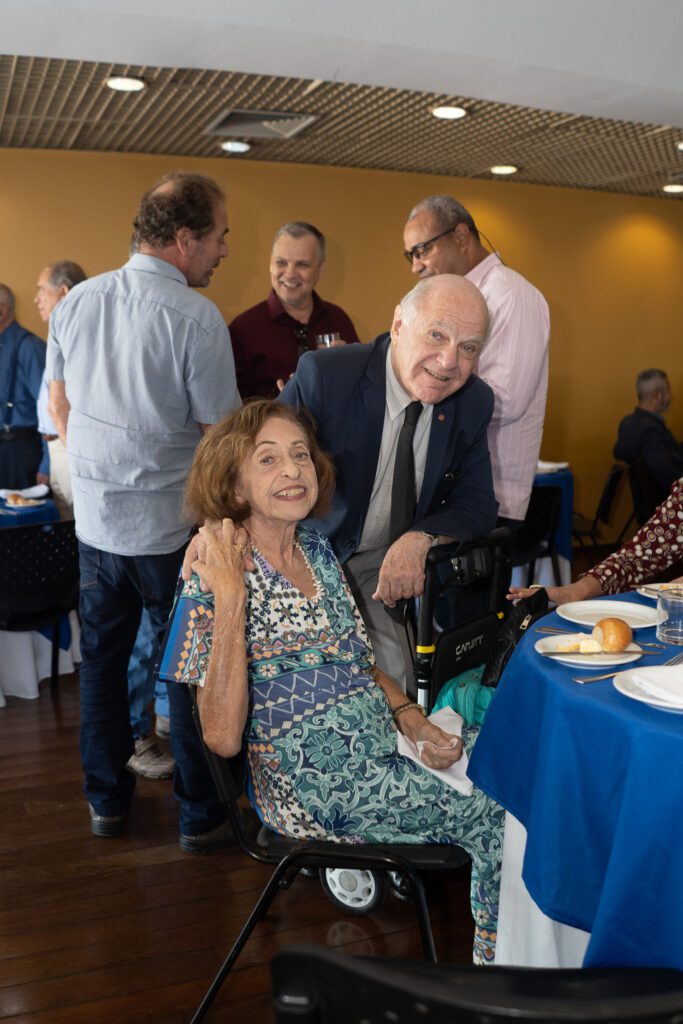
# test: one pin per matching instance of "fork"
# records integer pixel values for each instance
(676, 660)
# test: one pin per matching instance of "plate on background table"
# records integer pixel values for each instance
(628, 684)
(37, 491)
(550, 467)
(587, 613)
(34, 503)
(652, 590)
(549, 644)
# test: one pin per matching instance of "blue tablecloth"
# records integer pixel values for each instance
(564, 479)
(597, 781)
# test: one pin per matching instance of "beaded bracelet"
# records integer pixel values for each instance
(404, 707)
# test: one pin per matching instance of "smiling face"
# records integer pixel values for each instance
(47, 296)
(295, 269)
(436, 338)
(445, 255)
(199, 257)
(277, 478)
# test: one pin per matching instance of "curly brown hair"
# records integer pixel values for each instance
(178, 200)
(213, 477)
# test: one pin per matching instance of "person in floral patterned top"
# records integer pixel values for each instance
(269, 632)
(657, 546)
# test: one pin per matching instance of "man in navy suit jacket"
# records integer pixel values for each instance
(643, 434)
(357, 396)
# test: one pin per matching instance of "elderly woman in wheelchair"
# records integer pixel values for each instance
(273, 639)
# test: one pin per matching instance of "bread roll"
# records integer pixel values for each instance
(613, 635)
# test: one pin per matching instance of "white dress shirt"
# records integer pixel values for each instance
(376, 527)
(514, 364)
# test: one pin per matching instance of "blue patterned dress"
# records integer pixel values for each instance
(320, 739)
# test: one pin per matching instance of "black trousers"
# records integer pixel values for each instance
(19, 460)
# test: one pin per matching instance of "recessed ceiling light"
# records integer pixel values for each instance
(449, 113)
(672, 189)
(504, 169)
(679, 145)
(123, 83)
(235, 146)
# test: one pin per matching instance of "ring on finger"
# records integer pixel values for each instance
(242, 548)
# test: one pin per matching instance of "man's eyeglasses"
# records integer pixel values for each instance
(422, 248)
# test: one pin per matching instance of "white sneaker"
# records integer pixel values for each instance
(151, 760)
(162, 727)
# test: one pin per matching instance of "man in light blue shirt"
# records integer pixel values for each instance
(139, 366)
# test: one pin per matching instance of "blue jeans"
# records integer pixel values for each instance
(142, 683)
(114, 590)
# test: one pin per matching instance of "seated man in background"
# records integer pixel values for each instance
(22, 362)
(268, 339)
(644, 435)
(54, 282)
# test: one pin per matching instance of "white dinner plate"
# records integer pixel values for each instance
(23, 508)
(549, 644)
(587, 613)
(37, 491)
(550, 467)
(652, 590)
(625, 683)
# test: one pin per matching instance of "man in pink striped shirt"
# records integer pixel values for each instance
(440, 237)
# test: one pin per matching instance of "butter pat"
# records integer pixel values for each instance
(590, 646)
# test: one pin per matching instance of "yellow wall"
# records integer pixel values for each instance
(610, 266)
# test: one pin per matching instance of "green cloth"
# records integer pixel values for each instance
(467, 696)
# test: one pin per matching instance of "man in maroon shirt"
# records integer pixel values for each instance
(269, 338)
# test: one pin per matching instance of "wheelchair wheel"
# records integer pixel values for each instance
(356, 891)
(399, 886)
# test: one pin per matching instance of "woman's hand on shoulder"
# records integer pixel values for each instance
(220, 557)
(196, 549)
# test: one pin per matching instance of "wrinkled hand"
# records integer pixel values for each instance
(281, 383)
(221, 565)
(197, 548)
(441, 749)
(402, 574)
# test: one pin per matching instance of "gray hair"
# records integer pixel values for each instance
(66, 274)
(7, 298)
(650, 381)
(300, 228)
(447, 212)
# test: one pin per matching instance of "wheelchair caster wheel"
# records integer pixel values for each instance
(399, 886)
(356, 891)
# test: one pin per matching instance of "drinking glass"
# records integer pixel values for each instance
(670, 615)
(325, 340)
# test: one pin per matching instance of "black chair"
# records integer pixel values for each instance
(475, 576)
(290, 856)
(536, 537)
(647, 494)
(317, 986)
(39, 580)
(585, 529)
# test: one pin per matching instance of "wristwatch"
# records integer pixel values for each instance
(434, 537)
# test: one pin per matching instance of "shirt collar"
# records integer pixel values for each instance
(478, 274)
(277, 310)
(154, 265)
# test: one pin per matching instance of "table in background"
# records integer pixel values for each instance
(564, 479)
(26, 658)
(596, 779)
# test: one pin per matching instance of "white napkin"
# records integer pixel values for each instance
(550, 467)
(456, 776)
(37, 491)
(665, 682)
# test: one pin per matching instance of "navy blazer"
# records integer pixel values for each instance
(644, 435)
(344, 390)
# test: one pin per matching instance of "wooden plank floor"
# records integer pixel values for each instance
(131, 929)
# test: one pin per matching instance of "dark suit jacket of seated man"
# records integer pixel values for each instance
(644, 435)
(344, 389)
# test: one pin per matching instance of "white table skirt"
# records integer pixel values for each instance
(26, 658)
(526, 937)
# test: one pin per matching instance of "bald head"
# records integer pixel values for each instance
(439, 329)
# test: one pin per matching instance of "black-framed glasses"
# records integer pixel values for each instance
(303, 337)
(422, 248)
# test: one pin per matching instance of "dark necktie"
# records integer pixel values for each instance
(403, 493)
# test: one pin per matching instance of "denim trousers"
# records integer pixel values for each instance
(114, 590)
(142, 684)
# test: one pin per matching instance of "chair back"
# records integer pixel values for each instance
(541, 520)
(647, 494)
(318, 986)
(609, 493)
(39, 569)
